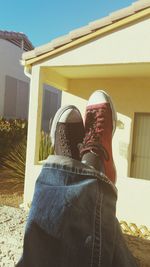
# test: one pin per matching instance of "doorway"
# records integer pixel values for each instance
(140, 162)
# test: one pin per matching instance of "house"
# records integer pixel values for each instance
(14, 84)
(111, 54)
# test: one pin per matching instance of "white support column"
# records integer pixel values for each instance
(34, 128)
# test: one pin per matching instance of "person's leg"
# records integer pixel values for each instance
(72, 219)
(67, 225)
(105, 194)
(67, 221)
(96, 151)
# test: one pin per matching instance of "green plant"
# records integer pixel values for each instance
(46, 148)
(13, 142)
(13, 164)
(12, 128)
(11, 133)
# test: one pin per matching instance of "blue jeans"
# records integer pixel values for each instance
(72, 220)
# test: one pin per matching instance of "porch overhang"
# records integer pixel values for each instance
(99, 71)
(67, 78)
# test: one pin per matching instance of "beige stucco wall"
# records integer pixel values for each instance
(130, 95)
(133, 200)
(10, 56)
(126, 45)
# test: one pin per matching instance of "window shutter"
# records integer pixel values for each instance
(22, 99)
(51, 103)
(16, 99)
(10, 97)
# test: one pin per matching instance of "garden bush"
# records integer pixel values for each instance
(13, 142)
(11, 133)
(13, 136)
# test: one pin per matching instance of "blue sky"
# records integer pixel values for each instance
(44, 20)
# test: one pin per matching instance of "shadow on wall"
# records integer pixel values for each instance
(122, 145)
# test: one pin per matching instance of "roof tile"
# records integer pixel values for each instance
(29, 54)
(97, 24)
(141, 4)
(79, 32)
(44, 48)
(122, 13)
(61, 41)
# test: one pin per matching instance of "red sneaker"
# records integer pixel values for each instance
(100, 125)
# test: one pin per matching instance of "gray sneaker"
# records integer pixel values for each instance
(67, 131)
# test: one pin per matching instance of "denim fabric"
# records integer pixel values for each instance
(72, 221)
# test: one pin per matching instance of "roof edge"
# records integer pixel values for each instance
(48, 50)
(17, 38)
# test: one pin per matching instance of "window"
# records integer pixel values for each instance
(51, 103)
(16, 99)
(140, 165)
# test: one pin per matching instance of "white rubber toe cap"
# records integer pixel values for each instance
(98, 97)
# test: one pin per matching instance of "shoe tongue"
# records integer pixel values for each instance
(100, 150)
(95, 148)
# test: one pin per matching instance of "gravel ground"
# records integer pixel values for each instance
(12, 223)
